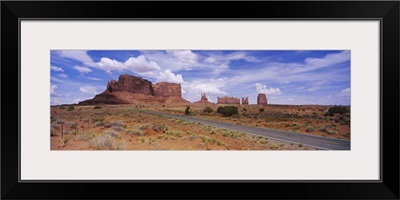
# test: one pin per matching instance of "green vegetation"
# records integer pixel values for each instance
(84, 136)
(97, 107)
(62, 107)
(228, 111)
(337, 109)
(208, 110)
(71, 108)
(310, 128)
(106, 142)
(174, 133)
(160, 127)
(188, 110)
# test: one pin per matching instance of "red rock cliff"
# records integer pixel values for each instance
(128, 83)
(165, 89)
(132, 89)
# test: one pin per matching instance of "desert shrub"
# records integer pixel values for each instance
(331, 132)
(174, 133)
(112, 133)
(160, 127)
(52, 133)
(106, 142)
(83, 136)
(60, 121)
(261, 110)
(65, 140)
(244, 109)
(135, 131)
(99, 123)
(97, 107)
(118, 123)
(337, 109)
(71, 124)
(117, 128)
(62, 107)
(97, 119)
(188, 110)
(228, 111)
(71, 108)
(151, 140)
(208, 110)
(144, 127)
(264, 141)
(310, 128)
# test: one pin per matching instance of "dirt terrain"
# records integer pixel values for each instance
(125, 127)
(307, 119)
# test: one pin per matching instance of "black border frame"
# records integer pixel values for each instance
(385, 11)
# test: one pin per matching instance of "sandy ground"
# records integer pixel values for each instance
(124, 127)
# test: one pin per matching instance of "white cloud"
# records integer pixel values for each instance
(212, 88)
(345, 92)
(184, 56)
(270, 91)
(79, 55)
(170, 77)
(109, 65)
(174, 60)
(329, 59)
(221, 58)
(62, 75)
(53, 89)
(82, 70)
(312, 89)
(77, 100)
(56, 69)
(56, 80)
(88, 90)
(141, 65)
(93, 78)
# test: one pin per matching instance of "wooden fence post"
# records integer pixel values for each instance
(62, 132)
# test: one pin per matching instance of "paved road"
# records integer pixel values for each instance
(296, 138)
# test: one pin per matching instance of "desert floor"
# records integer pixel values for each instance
(125, 127)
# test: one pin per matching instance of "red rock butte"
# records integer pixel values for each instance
(262, 99)
(203, 99)
(228, 100)
(133, 89)
(245, 101)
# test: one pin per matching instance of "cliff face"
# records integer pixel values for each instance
(228, 100)
(132, 89)
(165, 89)
(262, 99)
(128, 83)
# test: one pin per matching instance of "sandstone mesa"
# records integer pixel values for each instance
(133, 89)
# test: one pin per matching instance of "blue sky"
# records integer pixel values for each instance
(286, 77)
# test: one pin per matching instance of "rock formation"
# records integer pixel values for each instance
(228, 100)
(165, 89)
(245, 101)
(262, 99)
(132, 89)
(203, 99)
(128, 83)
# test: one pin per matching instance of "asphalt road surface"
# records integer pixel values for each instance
(295, 138)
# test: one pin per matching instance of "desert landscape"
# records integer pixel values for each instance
(200, 100)
(128, 116)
